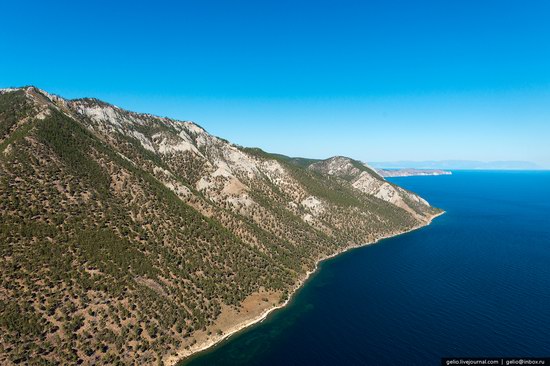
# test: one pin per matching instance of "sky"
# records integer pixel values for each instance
(373, 80)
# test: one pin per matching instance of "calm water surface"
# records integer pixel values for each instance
(474, 283)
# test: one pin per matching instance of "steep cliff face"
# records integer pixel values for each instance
(126, 237)
(369, 181)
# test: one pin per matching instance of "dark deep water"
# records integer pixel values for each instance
(474, 283)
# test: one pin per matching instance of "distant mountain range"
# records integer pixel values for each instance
(457, 165)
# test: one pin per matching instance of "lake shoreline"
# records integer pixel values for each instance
(184, 354)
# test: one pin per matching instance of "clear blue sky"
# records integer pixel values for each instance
(375, 80)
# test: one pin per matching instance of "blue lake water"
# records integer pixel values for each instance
(474, 283)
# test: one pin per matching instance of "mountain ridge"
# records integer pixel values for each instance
(128, 237)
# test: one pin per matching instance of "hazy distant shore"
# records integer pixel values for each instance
(411, 172)
(185, 353)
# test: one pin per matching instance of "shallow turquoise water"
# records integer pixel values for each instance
(474, 283)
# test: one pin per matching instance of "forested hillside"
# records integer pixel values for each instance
(125, 237)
